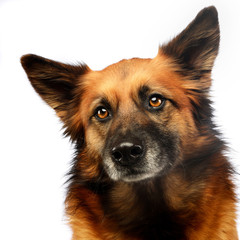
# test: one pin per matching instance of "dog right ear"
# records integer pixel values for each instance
(196, 47)
(53, 81)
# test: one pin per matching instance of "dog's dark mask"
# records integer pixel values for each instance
(139, 152)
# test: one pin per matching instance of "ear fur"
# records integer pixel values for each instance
(196, 47)
(53, 81)
(195, 50)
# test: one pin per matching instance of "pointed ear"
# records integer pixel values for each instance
(53, 81)
(196, 47)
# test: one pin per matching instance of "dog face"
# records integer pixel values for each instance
(132, 115)
(138, 118)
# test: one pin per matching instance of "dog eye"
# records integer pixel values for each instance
(101, 113)
(156, 101)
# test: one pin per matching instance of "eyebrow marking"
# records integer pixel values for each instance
(102, 101)
(143, 92)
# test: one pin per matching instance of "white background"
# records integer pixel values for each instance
(33, 154)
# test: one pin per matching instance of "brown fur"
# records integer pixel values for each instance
(192, 198)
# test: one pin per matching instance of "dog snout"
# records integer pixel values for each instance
(127, 153)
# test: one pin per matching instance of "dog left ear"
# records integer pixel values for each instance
(53, 81)
(196, 47)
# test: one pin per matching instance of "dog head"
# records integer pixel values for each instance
(137, 118)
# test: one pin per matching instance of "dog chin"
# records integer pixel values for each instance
(138, 177)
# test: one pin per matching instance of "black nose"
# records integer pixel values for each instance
(127, 153)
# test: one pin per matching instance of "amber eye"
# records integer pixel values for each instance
(102, 113)
(155, 101)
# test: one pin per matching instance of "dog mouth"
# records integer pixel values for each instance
(132, 175)
(140, 154)
(149, 164)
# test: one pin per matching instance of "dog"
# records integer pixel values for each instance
(149, 160)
